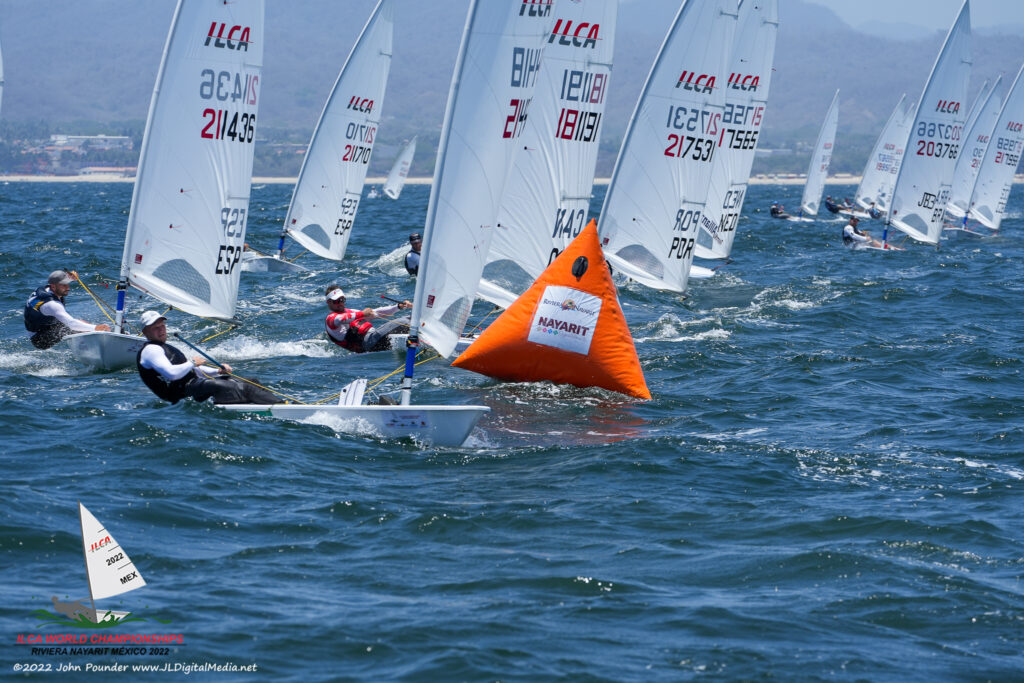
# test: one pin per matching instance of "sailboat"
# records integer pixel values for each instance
(884, 162)
(547, 198)
(108, 568)
(495, 75)
(821, 156)
(925, 177)
(186, 225)
(656, 198)
(981, 123)
(995, 177)
(400, 171)
(746, 98)
(330, 185)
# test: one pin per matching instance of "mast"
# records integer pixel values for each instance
(413, 342)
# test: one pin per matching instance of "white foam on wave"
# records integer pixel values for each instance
(670, 327)
(52, 364)
(796, 305)
(700, 336)
(393, 262)
(343, 425)
(1012, 472)
(250, 348)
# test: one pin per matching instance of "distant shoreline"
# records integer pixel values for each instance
(271, 180)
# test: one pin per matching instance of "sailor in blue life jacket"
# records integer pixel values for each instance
(172, 376)
(412, 259)
(45, 315)
(351, 329)
(831, 205)
(874, 211)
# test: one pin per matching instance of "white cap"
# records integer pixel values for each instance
(336, 294)
(59, 277)
(150, 317)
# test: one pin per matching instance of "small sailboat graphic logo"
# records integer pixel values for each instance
(109, 570)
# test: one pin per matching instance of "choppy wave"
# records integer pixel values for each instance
(831, 457)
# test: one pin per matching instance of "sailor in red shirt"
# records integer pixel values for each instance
(351, 329)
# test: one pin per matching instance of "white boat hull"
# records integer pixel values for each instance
(105, 351)
(700, 272)
(269, 264)
(964, 233)
(433, 424)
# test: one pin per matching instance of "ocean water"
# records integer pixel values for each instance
(826, 485)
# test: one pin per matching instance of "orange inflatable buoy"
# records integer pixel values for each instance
(567, 327)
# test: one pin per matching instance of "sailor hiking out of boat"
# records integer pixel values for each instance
(874, 211)
(855, 238)
(45, 315)
(172, 376)
(351, 329)
(412, 259)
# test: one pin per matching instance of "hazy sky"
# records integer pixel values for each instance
(930, 14)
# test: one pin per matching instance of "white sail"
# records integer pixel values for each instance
(547, 198)
(330, 184)
(978, 131)
(995, 177)
(188, 215)
(935, 140)
(821, 156)
(108, 566)
(400, 171)
(884, 162)
(746, 97)
(655, 201)
(492, 86)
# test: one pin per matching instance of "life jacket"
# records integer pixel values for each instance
(847, 240)
(354, 335)
(172, 391)
(412, 262)
(35, 321)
